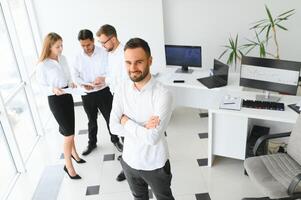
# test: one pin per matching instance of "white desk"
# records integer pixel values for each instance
(227, 129)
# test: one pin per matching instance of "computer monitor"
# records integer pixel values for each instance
(184, 56)
(270, 75)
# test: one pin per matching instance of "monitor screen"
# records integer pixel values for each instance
(183, 55)
(270, 74)
(220, 70)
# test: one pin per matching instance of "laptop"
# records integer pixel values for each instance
(219, 77)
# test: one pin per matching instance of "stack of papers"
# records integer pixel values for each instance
(75, 91)
(232, 103)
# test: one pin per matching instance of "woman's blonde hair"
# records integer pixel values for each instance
(50, 39)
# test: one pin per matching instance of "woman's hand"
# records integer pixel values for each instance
(58, 91)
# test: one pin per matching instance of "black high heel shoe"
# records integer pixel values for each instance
(80, 161)
(72, 177)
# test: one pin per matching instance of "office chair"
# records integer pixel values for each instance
(278, 175)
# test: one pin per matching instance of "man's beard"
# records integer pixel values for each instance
(138, 78)
(110, 49)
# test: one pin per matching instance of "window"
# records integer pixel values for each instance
(20, 117)
(24, 33)
(8, 170)
(9, 73)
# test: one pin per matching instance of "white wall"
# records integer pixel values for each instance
(132, 18)
(209, 23)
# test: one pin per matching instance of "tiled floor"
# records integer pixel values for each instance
(187, 139)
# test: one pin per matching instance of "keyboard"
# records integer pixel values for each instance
(263, 105)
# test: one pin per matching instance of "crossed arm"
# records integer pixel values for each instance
(149, 133)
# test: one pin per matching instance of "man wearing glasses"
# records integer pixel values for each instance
(90, 70)
(107, 37)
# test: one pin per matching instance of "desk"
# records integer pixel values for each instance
(227, 129)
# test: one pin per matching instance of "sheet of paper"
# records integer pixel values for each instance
(231, 104)
(75, 91)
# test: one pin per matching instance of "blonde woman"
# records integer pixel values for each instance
(53, 75)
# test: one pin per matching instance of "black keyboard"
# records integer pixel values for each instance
(263, 105)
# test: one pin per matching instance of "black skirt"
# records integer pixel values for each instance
(62, 108)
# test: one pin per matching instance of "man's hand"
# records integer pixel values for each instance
(73, 85)
(88, 87)
(100, 80)
(58, 91)
(153, 122)
(123, 119)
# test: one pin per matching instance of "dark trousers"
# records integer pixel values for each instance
(159, 180)
(92, 102)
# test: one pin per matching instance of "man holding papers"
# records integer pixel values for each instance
(90, 70)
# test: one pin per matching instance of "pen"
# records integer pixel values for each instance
(229, 103)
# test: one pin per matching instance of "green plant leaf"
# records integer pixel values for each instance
(246, 53)
(236, 41)
(253, 42)
(230, 59)
(286, 12)
(282, 27)
(255, 26)
(285, 17)
(270, 16)
(257, 37)
(226, 46)
(263, 28)
(223, 53)
(246, 45)
(267, 35)
(241, 53)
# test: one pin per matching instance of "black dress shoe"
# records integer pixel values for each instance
(72, 177)
(120, 177)
(118, 146)
(88, 150)
(80, 161)
(119, 157)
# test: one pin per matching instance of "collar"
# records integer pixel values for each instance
(146, 87)
(96, 50)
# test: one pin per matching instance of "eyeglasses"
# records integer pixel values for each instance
(104, 43)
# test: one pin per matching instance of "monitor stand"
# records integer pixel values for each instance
(267, 97)
(184, 70)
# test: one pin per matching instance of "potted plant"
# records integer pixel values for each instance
(267, 26)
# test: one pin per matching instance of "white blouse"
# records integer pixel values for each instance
(51, 73)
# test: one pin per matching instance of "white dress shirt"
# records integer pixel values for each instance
(116, 68)
(144, 149)
(87, 68)
(51, 73)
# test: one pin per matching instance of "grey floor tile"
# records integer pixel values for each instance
(108, 157)
(92, 190)
(203, 115)
(78, 103)
(202, 196)
(202, 162)
(82, 132)
(203, 135)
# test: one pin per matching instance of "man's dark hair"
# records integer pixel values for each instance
(107, 30)
(136, 43)
(85, 34)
